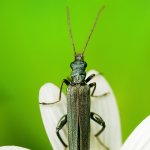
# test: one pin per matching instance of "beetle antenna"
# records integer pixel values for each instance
(95, 22)
(70, 31)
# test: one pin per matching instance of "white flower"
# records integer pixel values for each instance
(139, 138)
(105, 106)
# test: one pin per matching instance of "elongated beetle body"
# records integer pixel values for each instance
(78, 102)
(78, 107)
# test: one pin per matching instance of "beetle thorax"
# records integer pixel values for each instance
(78, 67)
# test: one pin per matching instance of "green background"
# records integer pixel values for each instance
(35, 48)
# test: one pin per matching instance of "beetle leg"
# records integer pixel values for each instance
(100, 121)
(94, 85)
(89, 78)
(92, 76)
(60, 125)
(67, 83)
(64, 81)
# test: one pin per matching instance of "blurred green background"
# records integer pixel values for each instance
(35, 48)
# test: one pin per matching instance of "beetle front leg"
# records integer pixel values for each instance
(64, 81)
(94, 85)
(89, 78)
(67, 83)
(100, 121)
(60, 125)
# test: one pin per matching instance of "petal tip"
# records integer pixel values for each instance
(48, 92)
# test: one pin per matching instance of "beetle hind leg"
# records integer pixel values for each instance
(60, 125)
(100, 121)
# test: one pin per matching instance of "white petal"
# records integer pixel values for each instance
(52, 113)
(107, 108)
(139, 138)
(12, 148)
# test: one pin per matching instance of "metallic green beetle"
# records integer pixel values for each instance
(78, 101)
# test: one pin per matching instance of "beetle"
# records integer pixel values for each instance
(78, 100)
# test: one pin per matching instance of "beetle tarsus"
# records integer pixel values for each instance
(100, 142)
(44, 103)
(104, 94)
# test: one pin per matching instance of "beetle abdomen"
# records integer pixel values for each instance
(78, 116)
